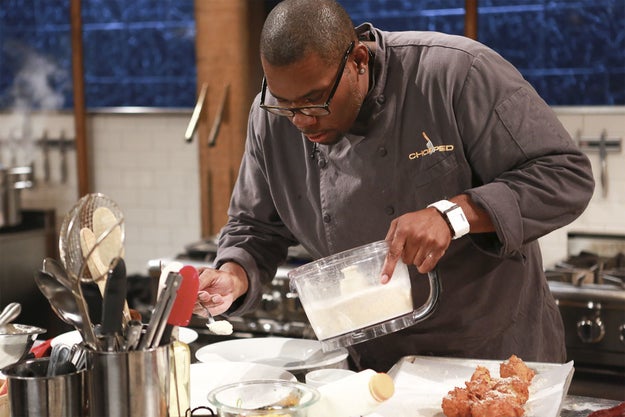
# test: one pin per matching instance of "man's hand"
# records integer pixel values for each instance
(418, 238)
(220, 287)
(421, 237)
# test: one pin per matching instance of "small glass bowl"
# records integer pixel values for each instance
(263, 398)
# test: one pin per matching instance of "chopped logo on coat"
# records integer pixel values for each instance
(430, 148)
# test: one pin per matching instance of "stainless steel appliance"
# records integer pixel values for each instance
(12, 181)
(589, 287)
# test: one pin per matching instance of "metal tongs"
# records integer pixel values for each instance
(158, 321)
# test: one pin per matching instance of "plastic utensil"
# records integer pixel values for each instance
(113, 303)
(183, 305)
(182, 309)
(41, 349)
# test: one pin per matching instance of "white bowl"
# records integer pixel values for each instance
(293, 355)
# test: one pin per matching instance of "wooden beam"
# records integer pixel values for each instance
(470, 19)
(227, 57)
(80, 123)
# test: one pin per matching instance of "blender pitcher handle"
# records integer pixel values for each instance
(430, 305)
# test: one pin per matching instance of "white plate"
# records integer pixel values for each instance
(422, 382)
(274, 351)
(185, 335)
(208, 376)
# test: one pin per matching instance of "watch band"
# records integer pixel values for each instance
(454, 216)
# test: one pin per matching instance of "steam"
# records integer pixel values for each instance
(38, 84)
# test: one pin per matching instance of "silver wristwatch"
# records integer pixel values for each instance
(454, 216)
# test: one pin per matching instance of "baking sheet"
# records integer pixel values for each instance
(421, 382)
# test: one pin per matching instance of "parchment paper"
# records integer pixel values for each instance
(422, 382)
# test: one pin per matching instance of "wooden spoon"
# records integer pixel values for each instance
(111, 246)
(98, 269)
(91, 254)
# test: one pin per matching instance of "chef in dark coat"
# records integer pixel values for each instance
(430, 141)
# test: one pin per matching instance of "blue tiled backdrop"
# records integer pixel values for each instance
(141, 53)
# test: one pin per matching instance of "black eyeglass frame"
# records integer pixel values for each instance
(314, 110)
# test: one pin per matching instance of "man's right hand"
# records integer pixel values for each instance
(220, 287)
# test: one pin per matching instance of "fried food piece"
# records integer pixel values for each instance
(516, 367)
(486, 396)
(481, 382)
(496, 406)
(457, 403)
(515, 387)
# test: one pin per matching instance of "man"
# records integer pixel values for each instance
(356, 133)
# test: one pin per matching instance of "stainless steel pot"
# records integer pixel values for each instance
(12, 181)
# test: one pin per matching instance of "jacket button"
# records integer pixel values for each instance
(381, 99)
(390, 210)
(382, 151)
(322, 163)
(327, 218)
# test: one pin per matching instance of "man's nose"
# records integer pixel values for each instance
(301, 120)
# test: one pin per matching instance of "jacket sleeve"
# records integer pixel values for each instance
(529, 174)
(254, 236)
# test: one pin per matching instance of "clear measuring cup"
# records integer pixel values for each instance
(346, 303)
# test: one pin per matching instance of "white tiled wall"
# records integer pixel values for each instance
(142, 162)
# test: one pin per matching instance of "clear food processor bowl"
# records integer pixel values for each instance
(346, 303)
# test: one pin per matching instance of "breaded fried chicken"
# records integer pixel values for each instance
(516, 367)
(457, 403)
(486, 396)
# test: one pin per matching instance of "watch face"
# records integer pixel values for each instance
(458, 222)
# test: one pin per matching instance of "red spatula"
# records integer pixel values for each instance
(182, 309)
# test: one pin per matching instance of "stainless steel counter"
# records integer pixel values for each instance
(576, 406)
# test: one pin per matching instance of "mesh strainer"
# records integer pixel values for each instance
(92, 235)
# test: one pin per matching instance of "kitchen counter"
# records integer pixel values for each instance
(576, 406)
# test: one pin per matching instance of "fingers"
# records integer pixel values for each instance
(210, 300)
(419, 238)
(389, 266)
(395, 250)
(428, 263)
(199, 309)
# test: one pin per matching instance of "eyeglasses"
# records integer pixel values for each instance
(315, 110)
